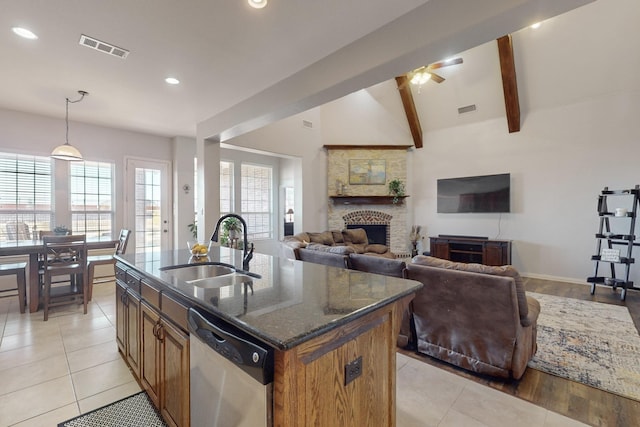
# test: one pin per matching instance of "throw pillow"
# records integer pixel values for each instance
(342, 250)
(337, 236)
(376, 248)
(355, 236)
(325, 238)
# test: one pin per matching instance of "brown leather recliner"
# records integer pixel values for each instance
(479, 321)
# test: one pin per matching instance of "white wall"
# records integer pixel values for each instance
(37, 135)
(184, 151)
(290, 138)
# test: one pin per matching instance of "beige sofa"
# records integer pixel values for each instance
(345, 242)
(473, 316)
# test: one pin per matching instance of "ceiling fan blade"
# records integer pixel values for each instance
(436, 78)
(442, 64)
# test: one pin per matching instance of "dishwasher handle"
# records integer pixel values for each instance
(235, 345)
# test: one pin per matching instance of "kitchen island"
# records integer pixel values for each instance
(333, 333)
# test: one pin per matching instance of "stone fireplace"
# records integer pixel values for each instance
(389, 218)
(375, 223)
(353, 204)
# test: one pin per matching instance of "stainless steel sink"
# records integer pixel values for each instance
(210, 275)
(220, 281)
(192, 272)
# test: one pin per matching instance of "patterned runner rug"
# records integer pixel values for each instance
(132, 411)
(588, 342)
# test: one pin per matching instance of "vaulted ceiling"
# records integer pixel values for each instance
(239, 67)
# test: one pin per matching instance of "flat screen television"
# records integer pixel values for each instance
(475, 194)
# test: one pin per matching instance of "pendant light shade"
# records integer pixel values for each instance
(67, 151)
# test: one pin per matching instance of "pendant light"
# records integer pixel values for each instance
(257, 4)
(67, 151)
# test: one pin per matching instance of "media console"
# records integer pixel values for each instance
(471, 249)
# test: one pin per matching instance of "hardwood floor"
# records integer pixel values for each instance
(578, 401)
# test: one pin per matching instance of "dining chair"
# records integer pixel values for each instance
(94, 260)
(20, 271)
(41, 234)
(18, 231)
(65, 256)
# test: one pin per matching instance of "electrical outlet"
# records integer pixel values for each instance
(352, 370)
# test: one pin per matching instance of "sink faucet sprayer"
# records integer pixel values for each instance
(247, 254)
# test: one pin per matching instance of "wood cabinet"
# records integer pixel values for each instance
(469, 249)
(311, 381)
(165, 366)
(156, 349)
(128, 325)
(343, 377)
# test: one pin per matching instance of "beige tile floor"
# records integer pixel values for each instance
(55, 370)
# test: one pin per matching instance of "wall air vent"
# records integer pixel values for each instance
(307, 123)
(467, 109)
(103, 47)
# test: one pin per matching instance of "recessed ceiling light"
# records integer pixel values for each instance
(23, 32)
(172, 80)
(257, 4)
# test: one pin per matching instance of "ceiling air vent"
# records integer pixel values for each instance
(467, 109)
(103, 47)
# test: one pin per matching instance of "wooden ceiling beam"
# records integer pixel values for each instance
(509, 84)
(410, 109)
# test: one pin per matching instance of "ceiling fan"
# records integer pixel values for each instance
(423, 74)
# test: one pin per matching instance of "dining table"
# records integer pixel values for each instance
(34, 248)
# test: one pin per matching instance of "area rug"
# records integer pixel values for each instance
(132, 411)
(589, 342)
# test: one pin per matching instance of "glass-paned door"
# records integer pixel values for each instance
(148, 204)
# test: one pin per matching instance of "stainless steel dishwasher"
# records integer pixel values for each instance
(231, 375)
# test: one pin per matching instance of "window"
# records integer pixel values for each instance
(256, 200)
(92, 207)
(25, 196)
(226, 188)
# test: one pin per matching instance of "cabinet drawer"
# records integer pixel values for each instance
(467, 247)
(121, 273)
(133, 281)
(175, 310)
(150, 294)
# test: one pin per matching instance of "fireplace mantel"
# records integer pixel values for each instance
(366, 200)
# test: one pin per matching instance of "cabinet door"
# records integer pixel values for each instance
(174, 396)
(332, 403)
(150, 352)
(121, 320)
(495, 254)
(133, 332)
(440, 249)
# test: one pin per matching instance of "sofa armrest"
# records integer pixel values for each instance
(288, 247)
(534, 312)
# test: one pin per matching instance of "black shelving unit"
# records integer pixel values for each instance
(607, 239)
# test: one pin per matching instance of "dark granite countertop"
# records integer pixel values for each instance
(290, 303)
